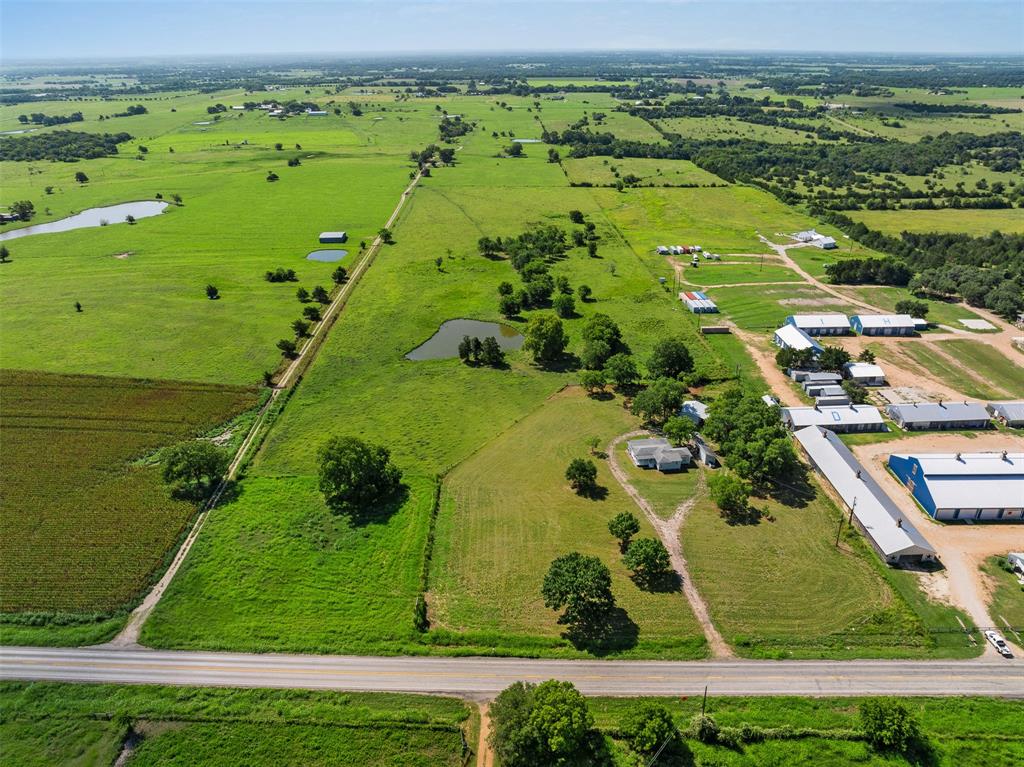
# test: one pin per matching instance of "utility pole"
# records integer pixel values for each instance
(840, 530)
(704, 703)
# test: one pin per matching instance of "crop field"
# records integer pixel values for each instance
(979, 223)
(275, 570)
(961, 732)
(84, 725)
(606, 171)
(780, 588)
(83, 528)
(137, 280)
(496, 538)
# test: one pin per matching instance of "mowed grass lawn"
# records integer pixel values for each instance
(47, 724)
(732, 272)
(507, 512)
(607, 170)
(665, 492)
(991, 364)
(764, 308)
(922, 356)
(780, 588)
(978, 223)
(82, 529)
(147, 281)
(275, 570)
(886, 297)
(1007, 600)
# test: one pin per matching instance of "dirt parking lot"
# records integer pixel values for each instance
(961, 547)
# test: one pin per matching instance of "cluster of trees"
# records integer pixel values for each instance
(354, 476)
(545, 338)
(23, 209)
(670, 361)
(752, 438)
(281, 275)
(61, 146)
(192, 468)
(869, 271)
(135, 109)
(451, 128)
(38, 118)
(984, 271)
(473, 351)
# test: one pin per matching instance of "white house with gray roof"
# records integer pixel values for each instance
(893, 535)
(939, 415)
(657, 453)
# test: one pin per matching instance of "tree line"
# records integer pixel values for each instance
(61, 145)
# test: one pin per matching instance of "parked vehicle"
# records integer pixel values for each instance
(997, 641)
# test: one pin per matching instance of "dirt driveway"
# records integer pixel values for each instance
(962, 548)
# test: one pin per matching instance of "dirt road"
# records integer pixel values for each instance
(668, 531)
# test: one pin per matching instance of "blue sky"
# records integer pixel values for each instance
(47, 29)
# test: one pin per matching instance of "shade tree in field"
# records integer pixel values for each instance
(593, 381)
(601, 339)
(544, 725)
(81, 178)
(580, 584)
(545, 338)
(795, 359)
(679, 429)
(212, 293)
(301, 328)
(576, 216)
(287, 347)
(339, 275)
(659, 401)
(386, 235)
(866, 355)
(564, 306)
(889, 725)
(913, 307)
(5, 254)
(321, 295)
(508, 306)
(515, 149)
(355, 477)
(623, 526)
(584, 292)
(191, 468)
(648, 728)
(311, 313)
(302, 294)
(647, 559)
(582, 476)
(669, 359)
(732, 496)
(621, 370)
(280, 275)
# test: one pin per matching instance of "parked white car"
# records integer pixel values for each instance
(997, 641)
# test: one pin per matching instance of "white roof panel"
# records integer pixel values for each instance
(827, 416)
(885, 320)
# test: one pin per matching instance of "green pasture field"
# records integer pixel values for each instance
(507, 511)
(978, 223)
(885, 297)
(83, 528)
(812, 260)
(780, 588)
(602, 171)
(941, 369)
(721, 220)
(138, 281)
(275, 571)
(1007, 600)
(711, 128)
(960, 732)
(917, 126)
(562, 81)
(83, 725)
(970, 174)
(764, 308)
(1000, 371)
(733, 272)
(665, 492)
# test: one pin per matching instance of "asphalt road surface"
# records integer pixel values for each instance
(484, 677)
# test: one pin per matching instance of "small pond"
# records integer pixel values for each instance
(527, 141)
(204, 122)
(444, 344)
(327, 255)
(112, 214)
(15, 132)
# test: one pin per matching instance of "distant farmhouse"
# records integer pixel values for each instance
(939, 415)
(865, 373)
(884, 324)
(877, 516)
(816, 239)
(821, 324)
(965, 486)
(657, 453)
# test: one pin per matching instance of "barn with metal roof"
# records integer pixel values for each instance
(965, 486)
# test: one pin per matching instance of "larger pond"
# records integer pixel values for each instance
(444, 344)
(327, 255)
(111, 214)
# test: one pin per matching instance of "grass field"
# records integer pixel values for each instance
(780, 588)
(274, 570)
(729, 272)
(606, 171)
(711, 128)
(946, 371)
(766, 307)
(991, 364)
(507, 511)
(961, 732)
(232, 228)
(886, 297)
(978, 223)
(1007, 601)
(85, 725)
(83, 529)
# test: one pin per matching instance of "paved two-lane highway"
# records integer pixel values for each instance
(485, 677)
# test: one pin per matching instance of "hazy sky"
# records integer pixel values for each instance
(46, 29)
